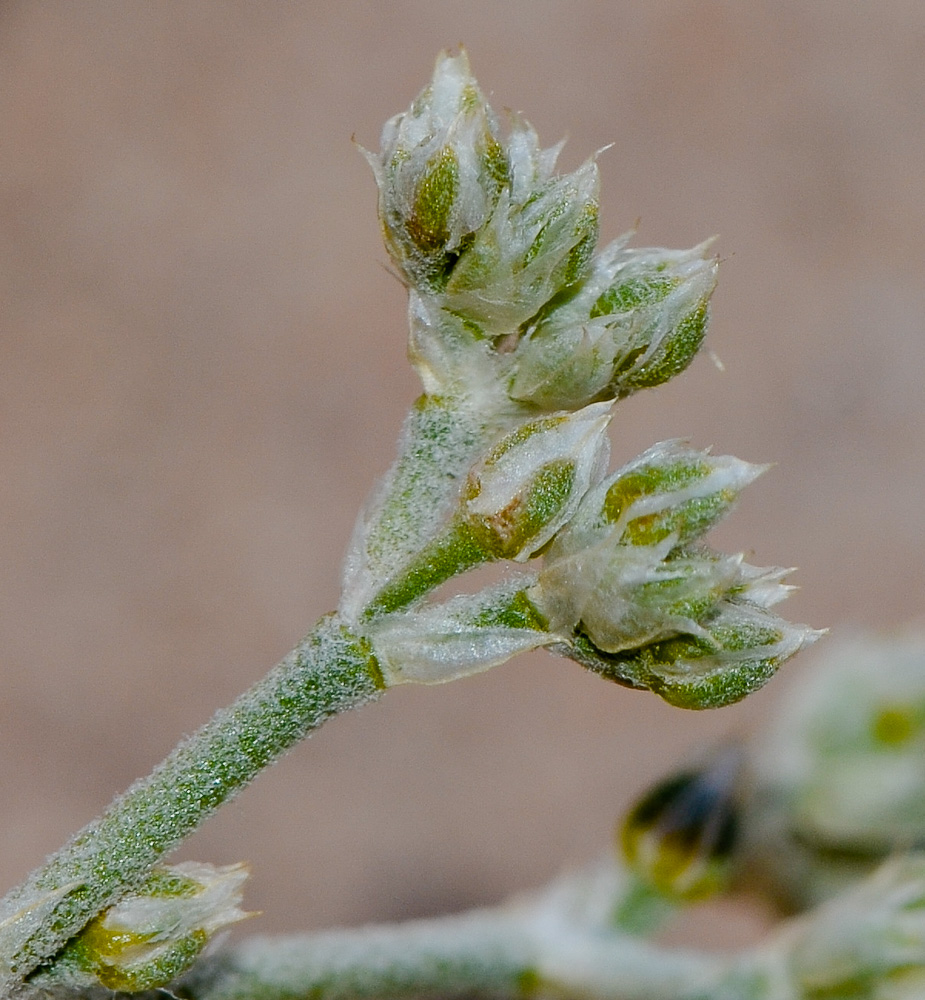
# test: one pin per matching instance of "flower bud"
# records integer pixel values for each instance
(628, 596)
(440, 171)
(638, 320)
(527, 253)
(153, 935)
(736, 650)
(680, 836)
(531, 482)
(672, 491)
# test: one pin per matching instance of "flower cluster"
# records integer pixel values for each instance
(508, 298)
(525, 334)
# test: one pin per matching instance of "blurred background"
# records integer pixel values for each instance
(202, 373)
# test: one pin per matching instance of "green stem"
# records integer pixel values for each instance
(452, 553)
(439, 442)
(330, 671)
(504, 955)
(473, 954)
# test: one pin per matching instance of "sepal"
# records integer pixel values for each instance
(627, 595)
(736, 651)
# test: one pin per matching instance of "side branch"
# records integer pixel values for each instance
(330, 671)
(503, 955)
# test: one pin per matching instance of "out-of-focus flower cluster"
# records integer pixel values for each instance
(822, 813)
(838, 780)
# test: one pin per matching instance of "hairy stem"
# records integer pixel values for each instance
(439, 441)
(446, 556)
(330, 671)
(506, 954)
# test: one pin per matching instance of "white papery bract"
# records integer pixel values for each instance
(632, 595)
(466, 635)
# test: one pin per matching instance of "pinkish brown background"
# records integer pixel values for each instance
(202, 372)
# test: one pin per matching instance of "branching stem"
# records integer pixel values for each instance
(330, 671)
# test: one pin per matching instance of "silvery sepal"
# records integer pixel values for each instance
(623, 596)
(668, 490)
(531, 482)
(637, 320)
(531, 166)
(669, 494)
(440, 171)
(466, 635)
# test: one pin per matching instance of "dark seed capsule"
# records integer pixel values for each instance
(680, 837)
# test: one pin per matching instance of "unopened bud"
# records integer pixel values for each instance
(440, 171)
(527, 253)
(532, 481)
(672, 490)
(638, 319)
(153, 935)
(736, 651)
